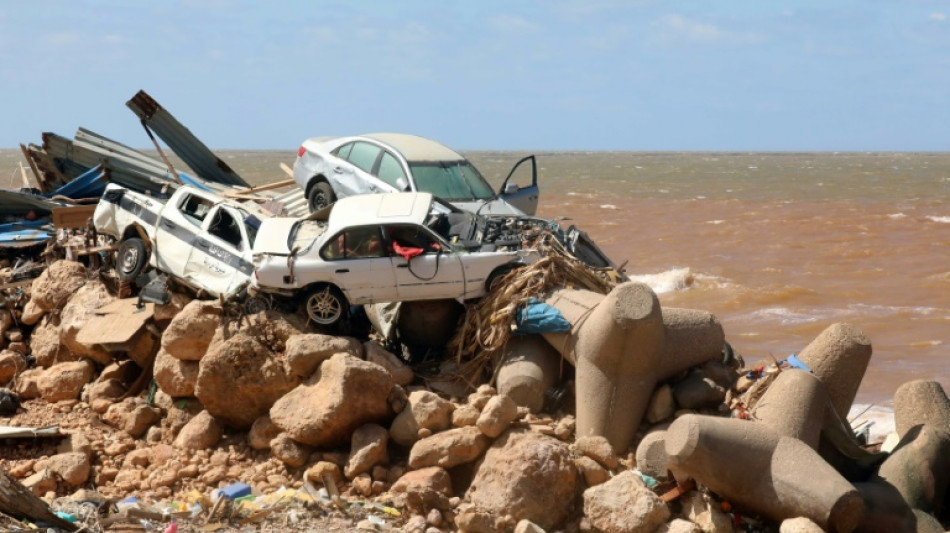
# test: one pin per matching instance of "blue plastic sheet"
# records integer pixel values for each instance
(538, 317)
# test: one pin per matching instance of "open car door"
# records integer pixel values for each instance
(522, 191)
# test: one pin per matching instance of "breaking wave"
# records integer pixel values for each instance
(677, 279)
(942, 220)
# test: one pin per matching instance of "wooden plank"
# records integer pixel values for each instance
(72, 217)
(40, 182)
(125, 306)
(287, 170)
(18, 502)
(250, 191)
(116, 322)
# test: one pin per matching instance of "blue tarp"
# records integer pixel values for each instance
(539, 317)
(90, 184)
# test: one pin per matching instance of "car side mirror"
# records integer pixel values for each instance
(402, 184)
(510, 188)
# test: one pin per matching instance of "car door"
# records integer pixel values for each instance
(218, 261)
(424, 265)
(354, 172)
(176, 232)
(357, 262)
(520, 188)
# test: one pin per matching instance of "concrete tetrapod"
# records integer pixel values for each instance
(921, 402)
(839, 357)
(529, 367)
(622, 348)
(749, 464)
(794, 406)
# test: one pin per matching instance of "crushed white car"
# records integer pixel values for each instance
(328, 168)
(197, 237)
(385, 248)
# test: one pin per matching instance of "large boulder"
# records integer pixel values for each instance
(240, 378)
(176, 377)
(402, 374)
(77, 312)
(188, 334)
(624, 505)
(345, 394)
(45, 346)
(305, 352)
(528, 476)
(64, 381)
(57, 284)
(425, 410)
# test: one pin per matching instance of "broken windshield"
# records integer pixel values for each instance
(451, 180)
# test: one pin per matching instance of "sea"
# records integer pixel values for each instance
(778, 245)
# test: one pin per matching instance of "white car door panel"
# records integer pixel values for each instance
(216, 262)
(364, 280)
(429, 276)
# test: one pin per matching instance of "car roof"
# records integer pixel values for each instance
(389, 208)
(415, 148)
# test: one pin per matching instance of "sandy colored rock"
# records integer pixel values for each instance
(499, 412)
(799, 525)
(28, 383)
(305, 352)
(64, 381)
(200, 433)
(430, 479)
(425, 409)
(45, 346)
(32, 313)
(56, 284)
(527, 526)
(528, 476)
(465, 415)
(624, 505)
(315, 473)
(177, 377)
(367, 449)
(102, 394)
(698, 509)
(402, 374)
(289, 451)
(591, 470)
(72, 467)
(189, 333)
(132, 415)
(11, 363)
(241, 378)
(448, 448)
(678, 525)
(346, 393)
(598, 449)
(75, 442)
(261, 433)
(77, 312)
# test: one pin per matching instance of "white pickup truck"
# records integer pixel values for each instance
(197, 237)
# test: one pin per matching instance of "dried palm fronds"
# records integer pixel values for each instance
(488, 323)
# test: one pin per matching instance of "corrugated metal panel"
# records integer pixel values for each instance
(90, 185)
(185, 145)
(294, 202)
(20, 203)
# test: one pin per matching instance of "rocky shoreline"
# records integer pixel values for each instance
(334, 433)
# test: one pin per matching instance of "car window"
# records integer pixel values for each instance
(195, 208)
(225, 227)
(343, 152)
(405, 236)
(364, 155)
(451, 180)
(390, 170)
(354, 243)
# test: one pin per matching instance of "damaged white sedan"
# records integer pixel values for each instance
(383, 248)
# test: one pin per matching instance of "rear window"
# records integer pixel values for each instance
(364, 155)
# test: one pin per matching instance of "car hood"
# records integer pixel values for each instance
(273, 235)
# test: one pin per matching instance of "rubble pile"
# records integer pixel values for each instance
(198, 414)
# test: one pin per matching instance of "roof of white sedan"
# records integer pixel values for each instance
(389, 208)
(415, 148)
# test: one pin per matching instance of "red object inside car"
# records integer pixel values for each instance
(407, 252)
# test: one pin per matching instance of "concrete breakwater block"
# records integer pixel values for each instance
(749, 464)
(839, 357)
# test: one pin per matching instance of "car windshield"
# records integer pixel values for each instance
(304, 233)
(452, 180)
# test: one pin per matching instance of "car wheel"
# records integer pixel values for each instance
(321, 195)
(131, 260)
(325, 306)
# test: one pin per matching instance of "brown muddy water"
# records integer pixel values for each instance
(778, 245)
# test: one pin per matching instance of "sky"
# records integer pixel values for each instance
(732, 75)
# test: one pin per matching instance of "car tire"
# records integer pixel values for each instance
(325, 306)
(320, 196)
(131, 259)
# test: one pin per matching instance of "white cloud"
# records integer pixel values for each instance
(677, 29)
(939, 17)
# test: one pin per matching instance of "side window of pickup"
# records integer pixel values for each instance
(225, 227)
(195, 209)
